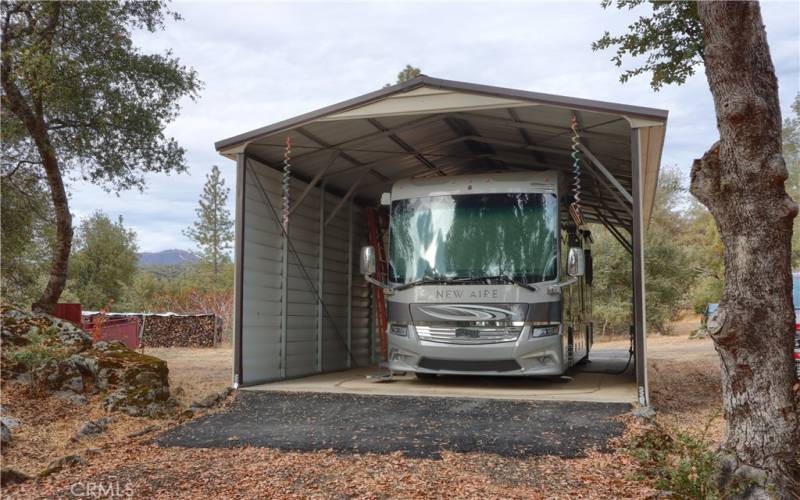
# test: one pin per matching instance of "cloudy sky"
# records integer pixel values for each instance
(263, 62)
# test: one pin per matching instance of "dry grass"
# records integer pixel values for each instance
(194, 373)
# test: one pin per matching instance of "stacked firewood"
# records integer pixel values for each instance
(177, 330)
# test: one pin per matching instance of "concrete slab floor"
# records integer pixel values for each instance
(595, 381)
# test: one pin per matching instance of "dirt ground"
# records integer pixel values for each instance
(684, 378)
(684, 385)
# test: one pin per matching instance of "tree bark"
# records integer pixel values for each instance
(34, 121)
(741, 181)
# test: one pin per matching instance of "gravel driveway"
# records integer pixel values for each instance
(417, 426)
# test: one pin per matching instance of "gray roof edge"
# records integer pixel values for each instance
(423, 80)
(318, 113)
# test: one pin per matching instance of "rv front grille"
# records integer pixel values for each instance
(457, 365)
(469, 335)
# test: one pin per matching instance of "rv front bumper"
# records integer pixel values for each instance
(523, 357)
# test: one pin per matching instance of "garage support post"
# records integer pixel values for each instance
(349, 282)
(238, 298)
(639, 320)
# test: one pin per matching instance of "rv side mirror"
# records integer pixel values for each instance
(367, 260)
(576, 266)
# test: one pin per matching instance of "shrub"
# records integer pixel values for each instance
(42, 347)
(680, 462)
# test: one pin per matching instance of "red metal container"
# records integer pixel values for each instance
(69, 312)
(126, 330)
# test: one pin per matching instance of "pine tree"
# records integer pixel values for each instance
(213, 229)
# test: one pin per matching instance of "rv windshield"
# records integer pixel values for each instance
(474, 236)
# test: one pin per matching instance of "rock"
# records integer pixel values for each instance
(92, 452)
(212, 400)
(92, 428)
(21, 379)
(61, 375)
(133, 383)
(10, 476)
(139, 384)
(73, 336)
(59, 464)
(5, 434)
(11, 422)
(17, 323)
(72, 398)
(207, 402)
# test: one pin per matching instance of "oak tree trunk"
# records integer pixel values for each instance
(741, 181)
(32, 116)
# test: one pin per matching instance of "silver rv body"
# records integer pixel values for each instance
(477, 280)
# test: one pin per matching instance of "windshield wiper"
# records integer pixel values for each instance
(503, 277)
(448, 281)
(425, 281)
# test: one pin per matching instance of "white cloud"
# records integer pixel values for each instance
(264, 62)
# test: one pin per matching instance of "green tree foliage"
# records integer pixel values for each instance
(407, 73)
(791, 154)
(704, 245)
(27, 234)
(213, 229)
(668, 274)
(189, 289)
(671, 38)
(80, 100)
(104, 261)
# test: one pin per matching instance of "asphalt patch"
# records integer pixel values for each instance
(417, 426)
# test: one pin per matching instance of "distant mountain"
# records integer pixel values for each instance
(173, 257)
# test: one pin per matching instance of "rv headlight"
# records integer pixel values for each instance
(399, 330)
(538, 332)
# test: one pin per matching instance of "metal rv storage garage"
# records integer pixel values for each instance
(343, 157)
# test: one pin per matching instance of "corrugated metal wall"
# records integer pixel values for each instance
(261, 322)
(296, 337)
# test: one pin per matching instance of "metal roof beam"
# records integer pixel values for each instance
(314, 181)
(467, 130)
(374, 135)
(344, 199)
(344, 155)
(607, 207)
(600, 206)
(425, 150)
(616, 234)
(531, 126)
(512, 144)
(613, 180)
(526, 137)
(404, 145)
(604, 183)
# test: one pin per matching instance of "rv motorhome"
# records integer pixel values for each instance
(487, 275)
